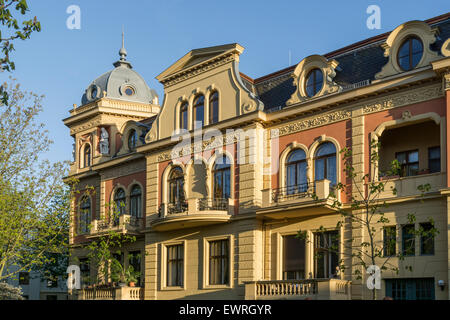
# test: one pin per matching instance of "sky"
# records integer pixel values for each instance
(60, 63)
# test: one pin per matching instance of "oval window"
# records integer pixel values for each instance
(410, 53)
(129, 91)
(314, 82)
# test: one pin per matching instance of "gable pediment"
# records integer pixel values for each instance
(197, 58)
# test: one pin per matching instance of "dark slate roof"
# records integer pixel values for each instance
(355, 65)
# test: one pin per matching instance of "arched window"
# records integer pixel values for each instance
(410, 53)
(87, 156)
(296, 181)
(184, 116)
(176, 184)
(136, 202)
(314, 82)
(199, 117)
(214, 108)
(325, 163)
(132, 139)
(222, 175)
(119, 204)
(85, 214)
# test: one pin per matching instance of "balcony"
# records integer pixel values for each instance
(192, 213)
(113, 293)
(407, 186)
(295, 201)
(125, 224)
(311, 289)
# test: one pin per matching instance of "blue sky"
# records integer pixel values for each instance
(60, 63)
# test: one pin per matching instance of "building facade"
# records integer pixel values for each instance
(217, 180)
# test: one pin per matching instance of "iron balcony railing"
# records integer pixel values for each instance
(292, 192)
(174, 207)
(213, 204)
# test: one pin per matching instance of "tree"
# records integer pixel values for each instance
(8, 292)
(34, 201)
(366, 213)
(16, 29)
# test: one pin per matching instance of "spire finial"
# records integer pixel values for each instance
(123, 54)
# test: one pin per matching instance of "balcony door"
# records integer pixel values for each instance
(294, 251)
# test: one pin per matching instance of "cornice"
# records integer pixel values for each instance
(198, 69)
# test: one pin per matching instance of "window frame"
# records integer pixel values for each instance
(84, 217)
(423, 239)
(136, 199)
(24, 278)
(410, 53)
(222, 172)
(214, 106)
(195, 106)
(438, 160)
(387, 250)
(283, 257)
(313, 73)
(177, 261)
(121, 208)
(87, 155)
(206, 262)
(184, 116)
(325, 158)
(328, 274)
(164, 265)
(405, 167)
(405, 238)
(132, 140)
(180, 187)
(296, 165)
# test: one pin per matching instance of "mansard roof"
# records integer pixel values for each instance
(358, 65)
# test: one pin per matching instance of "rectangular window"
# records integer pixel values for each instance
(52, 283)
(426, 239)
(326, 258)
(389, 241)
(434, 159)
(409, 161)
(134, 259)
(24, 278)
(408, 240)
(52, 297)
(85, 271)
(293, 258)
(219, 255)
(175, 265)
(410, 289)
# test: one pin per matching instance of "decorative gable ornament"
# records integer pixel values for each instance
(328, 69)
(417, 29)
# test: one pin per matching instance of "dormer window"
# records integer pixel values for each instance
(132, 140)
(314, 82)
(410, 53)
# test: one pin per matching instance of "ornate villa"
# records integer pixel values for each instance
(216, 179)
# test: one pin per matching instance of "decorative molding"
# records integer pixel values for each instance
(391, 46)
(446, 80)
(311, 123)
(85, 126)
(404, 98)
(202, 146)
(328, 69)
(195, 71)
(123, 170)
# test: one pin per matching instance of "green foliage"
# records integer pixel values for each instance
(13, 28)
(34, 201)
(366, 212)
(8, 292)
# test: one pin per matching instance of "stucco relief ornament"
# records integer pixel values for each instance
(104, 141)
